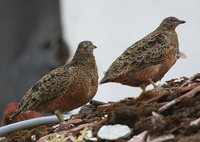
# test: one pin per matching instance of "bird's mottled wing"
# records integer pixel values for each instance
(48, 87)
(144, 53)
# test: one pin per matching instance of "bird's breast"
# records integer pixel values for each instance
(168, 62)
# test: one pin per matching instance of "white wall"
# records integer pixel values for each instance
(113, 25)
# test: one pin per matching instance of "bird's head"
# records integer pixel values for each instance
(86, 46)
(84, 52)
(170, 23)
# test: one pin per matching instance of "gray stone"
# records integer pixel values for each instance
(114, 132)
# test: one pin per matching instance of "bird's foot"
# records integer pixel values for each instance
(59, 116)
(143, 87)
(61, 120)
(158, 88)
(67, 124)
(61, 126)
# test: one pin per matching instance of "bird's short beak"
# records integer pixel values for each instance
(94, 47)
(181, 22)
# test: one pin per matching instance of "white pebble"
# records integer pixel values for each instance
(113, 132)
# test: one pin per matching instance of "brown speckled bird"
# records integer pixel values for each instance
(66, 87)
(149, 59)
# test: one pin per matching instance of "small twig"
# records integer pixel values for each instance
(174, 129)
(162, 104)
(189, 94)
(185, 88)
(174, 90)
(168, 105)
(162, 138)
(72, 130)
(68, 123)
(103, 109)
(139, 138)
(189, 81)
(157, 115)
(80, 127)
(195, 122)
(157, 98)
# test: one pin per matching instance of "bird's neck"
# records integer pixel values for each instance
(164, 29)
(167, 32)
(86, 60)
(170, 34)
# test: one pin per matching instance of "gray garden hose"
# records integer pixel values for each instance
(5, 130)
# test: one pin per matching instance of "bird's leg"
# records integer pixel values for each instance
(143, 87)
(61, 119)
(157, 87)
(59, 116)
(154, 85)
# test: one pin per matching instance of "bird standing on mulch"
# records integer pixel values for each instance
(149, 59)
(64, 88)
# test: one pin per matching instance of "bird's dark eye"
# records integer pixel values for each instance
(171, 20)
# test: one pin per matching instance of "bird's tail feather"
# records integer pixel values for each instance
(104, 80)
(15, 114)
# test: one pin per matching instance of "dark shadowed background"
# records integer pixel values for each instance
(31, 44)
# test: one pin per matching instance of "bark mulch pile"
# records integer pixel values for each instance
(167, 114)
